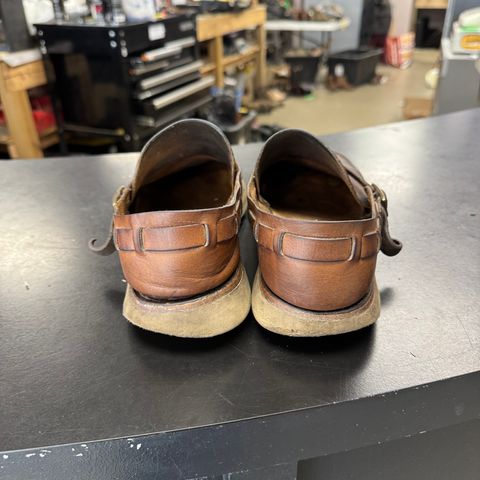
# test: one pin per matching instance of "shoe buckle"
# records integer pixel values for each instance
(380, 195)
(207, 234)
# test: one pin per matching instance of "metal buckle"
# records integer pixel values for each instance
(207, 234)
(381, 195)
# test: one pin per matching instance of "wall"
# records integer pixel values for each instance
(402, 11)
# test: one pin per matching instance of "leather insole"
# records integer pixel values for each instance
(207, 185)
(294, 190)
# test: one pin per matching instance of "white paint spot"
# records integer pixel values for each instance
(459, 409)
(84, 445)
(139, 446)
(46, 451)
(42, 454)
(131, 446)
(79, 455)
(129, 439)
(28, 455)
(5, 457)
(73, 449)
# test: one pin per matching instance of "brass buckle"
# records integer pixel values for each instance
(207, 234)
(381, 195)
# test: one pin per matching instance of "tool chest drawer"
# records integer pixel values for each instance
(134, 71)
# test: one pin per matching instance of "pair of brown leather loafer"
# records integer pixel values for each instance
(318, 225)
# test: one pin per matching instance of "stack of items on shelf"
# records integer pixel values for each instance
(465, 36)
(322, 12)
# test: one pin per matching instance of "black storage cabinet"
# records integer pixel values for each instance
(126, 81)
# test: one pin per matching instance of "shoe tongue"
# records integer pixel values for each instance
(183, 144)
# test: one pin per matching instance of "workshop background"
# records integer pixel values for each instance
(91, 76)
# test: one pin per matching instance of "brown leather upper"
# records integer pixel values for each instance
(319, 226)
(175, 253)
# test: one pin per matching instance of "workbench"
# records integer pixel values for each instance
(86, 395)
(302, 26)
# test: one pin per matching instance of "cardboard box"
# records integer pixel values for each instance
(417, 107)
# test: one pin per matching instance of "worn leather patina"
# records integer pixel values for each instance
(175, 226)
(318, 223)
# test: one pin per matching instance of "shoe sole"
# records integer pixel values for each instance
(278, 316)
(203, 316)
(214, 313)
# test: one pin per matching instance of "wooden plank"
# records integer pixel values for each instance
(214, 25)
(240, 58)
(207, 68)
(215, 49)
(430, 4)
(49, 140)
(231, 60)
(19, 118)
(25, 77)
(261, 64)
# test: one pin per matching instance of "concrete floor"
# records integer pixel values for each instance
(365, 106)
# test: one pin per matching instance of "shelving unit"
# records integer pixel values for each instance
(23, 139)
(212, 27)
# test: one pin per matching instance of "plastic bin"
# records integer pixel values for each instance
(240, 132)
(359, 65)
(303, 70)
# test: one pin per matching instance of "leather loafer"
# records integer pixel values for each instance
(319, 227)
(175, 228)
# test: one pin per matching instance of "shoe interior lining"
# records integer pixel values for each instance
(199, 186)
(293, 188)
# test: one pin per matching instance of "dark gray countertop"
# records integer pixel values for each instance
(73, 370)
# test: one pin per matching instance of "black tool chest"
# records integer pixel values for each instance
(125, 81)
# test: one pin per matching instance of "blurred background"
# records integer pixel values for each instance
(102, 76)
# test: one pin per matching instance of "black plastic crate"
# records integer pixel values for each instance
(303, 70)
(359, 64)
